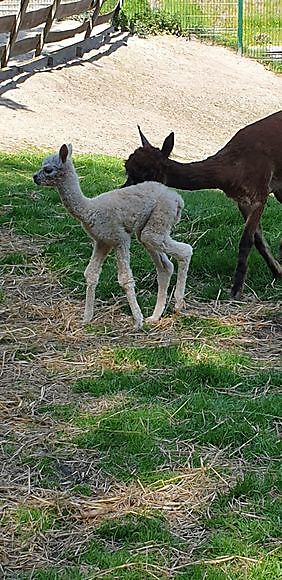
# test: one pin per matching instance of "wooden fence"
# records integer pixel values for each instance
(33, 41)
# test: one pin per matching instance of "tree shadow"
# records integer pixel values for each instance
(11, 104)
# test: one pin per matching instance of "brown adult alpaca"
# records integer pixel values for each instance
(247, 169)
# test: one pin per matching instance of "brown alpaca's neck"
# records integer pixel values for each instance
(193, 176)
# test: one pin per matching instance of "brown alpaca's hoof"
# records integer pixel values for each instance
(236, 294)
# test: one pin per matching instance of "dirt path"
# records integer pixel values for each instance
(203, 93)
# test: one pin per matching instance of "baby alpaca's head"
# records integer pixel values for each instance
(54, 167)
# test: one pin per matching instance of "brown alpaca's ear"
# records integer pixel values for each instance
(144, 141)
(168, 145)
(63, 153)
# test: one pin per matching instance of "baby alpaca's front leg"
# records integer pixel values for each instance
(92, 274)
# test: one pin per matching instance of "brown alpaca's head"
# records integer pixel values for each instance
(148, 163)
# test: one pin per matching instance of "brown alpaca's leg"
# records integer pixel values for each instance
(261, 245)
(246, 243)
(278, 195)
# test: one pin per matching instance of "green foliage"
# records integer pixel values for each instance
(151, 23)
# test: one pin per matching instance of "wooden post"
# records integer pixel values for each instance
(117, 11)
(97, 5)
(49, 22)
(14, 33)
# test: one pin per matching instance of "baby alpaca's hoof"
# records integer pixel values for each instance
(152, 320)
(179, 306)
(86, 320)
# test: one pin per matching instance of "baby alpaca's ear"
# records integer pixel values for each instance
(63, 153)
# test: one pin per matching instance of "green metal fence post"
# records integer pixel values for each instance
(240, 27)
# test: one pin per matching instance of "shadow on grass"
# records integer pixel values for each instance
(178, 399)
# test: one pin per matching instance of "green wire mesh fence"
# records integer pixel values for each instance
(254, 27)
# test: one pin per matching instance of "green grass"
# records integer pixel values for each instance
(207, 327)
(170, 407)
(245, 522)
(27, 519)
(205, 401)
(14, 258)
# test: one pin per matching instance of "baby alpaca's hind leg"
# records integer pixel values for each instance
(182, 253)
(126, 281)
(164, 271)
(92, 273)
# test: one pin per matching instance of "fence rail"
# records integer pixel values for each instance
(26, 25)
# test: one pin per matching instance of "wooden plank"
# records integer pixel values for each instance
(6, 23)
(35, 18)
(58, 35)
(62, 55)
(38, 17)
(25, 45)
(22, 46)
(50, 19)
(14, 33)
(73, 8)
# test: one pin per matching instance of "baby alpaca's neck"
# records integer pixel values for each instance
(71, 195)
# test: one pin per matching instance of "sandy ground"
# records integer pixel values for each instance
(203, 93)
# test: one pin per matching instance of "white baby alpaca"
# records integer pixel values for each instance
(148, 210)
